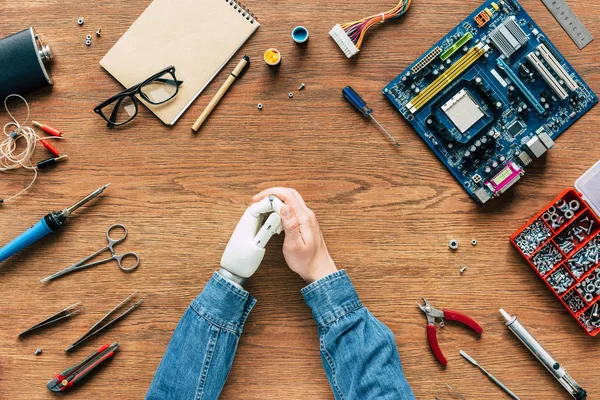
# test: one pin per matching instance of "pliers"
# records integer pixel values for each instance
(433, 315)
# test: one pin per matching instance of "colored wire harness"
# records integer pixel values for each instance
(350, 35)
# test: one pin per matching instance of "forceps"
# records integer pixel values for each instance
(111, 243)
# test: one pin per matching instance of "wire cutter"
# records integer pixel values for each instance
(70, 376)
(433, 315)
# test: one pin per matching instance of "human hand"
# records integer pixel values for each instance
(303, 247)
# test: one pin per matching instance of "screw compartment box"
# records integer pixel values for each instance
(562, 245)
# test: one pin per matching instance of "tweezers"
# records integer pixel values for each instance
(98, 326)
(73, 309)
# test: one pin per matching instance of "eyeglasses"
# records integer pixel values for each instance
(123, 107)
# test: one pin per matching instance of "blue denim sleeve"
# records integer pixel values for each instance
(358, 351)
(201, 350)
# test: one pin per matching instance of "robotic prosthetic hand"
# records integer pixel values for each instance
(246, 248)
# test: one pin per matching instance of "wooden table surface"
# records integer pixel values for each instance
(387, 215)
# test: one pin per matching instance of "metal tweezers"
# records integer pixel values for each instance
(73, 309)
(98, 326)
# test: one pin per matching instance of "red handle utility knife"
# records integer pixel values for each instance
(72, 375)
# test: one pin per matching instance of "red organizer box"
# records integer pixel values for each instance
(562, 245)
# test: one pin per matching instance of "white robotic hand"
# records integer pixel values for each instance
(246, 248)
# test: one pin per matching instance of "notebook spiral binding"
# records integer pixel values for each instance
(243, 10)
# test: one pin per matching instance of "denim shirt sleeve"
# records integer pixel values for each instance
(358, 351)
(200, 353)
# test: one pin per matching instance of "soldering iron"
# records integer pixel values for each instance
(48, 224)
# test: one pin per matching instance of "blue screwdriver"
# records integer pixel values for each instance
(50, 223)
(361, 106)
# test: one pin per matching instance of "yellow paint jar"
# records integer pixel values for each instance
(272, 57)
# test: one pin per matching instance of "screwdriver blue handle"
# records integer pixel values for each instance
(357, 102)
(25, 239)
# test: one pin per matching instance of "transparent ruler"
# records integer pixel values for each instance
(570, 22)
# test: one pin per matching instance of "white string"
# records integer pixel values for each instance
(10, 157)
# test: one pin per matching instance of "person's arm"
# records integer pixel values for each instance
(359, 352)
(200, 353)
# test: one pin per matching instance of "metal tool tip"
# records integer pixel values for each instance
(468, 357)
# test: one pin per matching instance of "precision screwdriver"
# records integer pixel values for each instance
(361, 106)
(492, 377)
(48, 224)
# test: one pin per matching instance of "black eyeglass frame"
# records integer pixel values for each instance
(132, 92)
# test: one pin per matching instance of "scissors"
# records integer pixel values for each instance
(111, 243)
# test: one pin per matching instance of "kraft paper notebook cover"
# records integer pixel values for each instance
(198, 37)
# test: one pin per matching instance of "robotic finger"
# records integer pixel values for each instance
(271, 227)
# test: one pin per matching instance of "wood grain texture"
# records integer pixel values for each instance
(386, 214)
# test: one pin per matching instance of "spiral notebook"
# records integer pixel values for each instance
(198, 37)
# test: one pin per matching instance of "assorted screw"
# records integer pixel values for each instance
(586, 258)
(575, 235)
(532, 237)
(555, 219)
(560, 280)
(463, 269)
(591, 318)
(574, 301)
(98, 32)
(590, 287)
(301, 86)
(547, 258)
(38, 351)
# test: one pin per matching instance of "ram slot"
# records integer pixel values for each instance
(556, 67)
(447, 77)
(550, 80)
(515, 79)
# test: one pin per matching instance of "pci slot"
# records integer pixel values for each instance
(454, 48)
(425, 61)
(556, 67)
(515, 79)
(550, 80)
(447, 77)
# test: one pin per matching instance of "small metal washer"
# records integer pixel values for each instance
(474, 242)
(574, 205)
(88, 42)
(290, 95)
(453, 244)
(80, 21)
(88, 37)
(259, 106)
(569, 214)
(546, 216)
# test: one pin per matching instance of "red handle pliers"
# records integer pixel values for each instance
(433, 315)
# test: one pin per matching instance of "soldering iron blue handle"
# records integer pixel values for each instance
(25, 239)
(357, 102)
